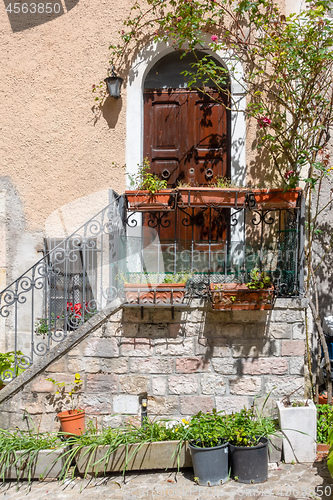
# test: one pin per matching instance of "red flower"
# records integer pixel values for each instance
(263, 121)
(214, 38)
(289, 174)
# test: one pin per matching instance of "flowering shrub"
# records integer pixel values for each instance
(263, 121)
(288, 61)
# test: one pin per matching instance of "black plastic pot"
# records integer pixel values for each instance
(249, 464)
(210, 464)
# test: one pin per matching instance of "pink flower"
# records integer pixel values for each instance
(289, 174)
(263, 121)
(214, 38)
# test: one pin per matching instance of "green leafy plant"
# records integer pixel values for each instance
(324, 423)
(131, 433)
(146, 180)
(29, 444)
(67, 392)
(207, 430)
(44, 326)
(245, 428)
(8, 368)
(259, 280)
(222, 182)
(180, 277)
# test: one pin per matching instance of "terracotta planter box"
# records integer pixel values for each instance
(46, 464)
(211, 196)
(150, 456)
(145, 200)
(164, 293)
(276, 198)
(323, 448)
(237, 296)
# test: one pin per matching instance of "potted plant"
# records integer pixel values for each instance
(257, 294)
(221, 193)
(8, 369)
(152, 444)
(150, 192)
(72, 421)
(270, 199)
(247, 432)
(168, 288)
(324, 427)
(209, 448)
(298, 423)
(30, 455)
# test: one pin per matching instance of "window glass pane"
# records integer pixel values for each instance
(166, 73)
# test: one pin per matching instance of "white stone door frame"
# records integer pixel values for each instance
(134, 121)
(134, 116)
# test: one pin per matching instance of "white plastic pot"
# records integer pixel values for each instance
(299, 427)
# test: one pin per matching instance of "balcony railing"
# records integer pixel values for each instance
(156, 255)
(215, 236)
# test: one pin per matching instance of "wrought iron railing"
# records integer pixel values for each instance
(75, 279)
(134, 256)
(218, 238)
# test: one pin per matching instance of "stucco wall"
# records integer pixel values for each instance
(198, 360)
(53, 148)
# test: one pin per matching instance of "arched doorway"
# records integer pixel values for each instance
(180, 237)
(186, 132)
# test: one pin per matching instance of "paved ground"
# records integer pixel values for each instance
(285, 481)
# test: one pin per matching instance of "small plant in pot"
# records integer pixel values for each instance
(73, 420)
(149, 191)
(209, 448)
(298, 423)
(247, 432)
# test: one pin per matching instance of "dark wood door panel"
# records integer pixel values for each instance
(189, 129)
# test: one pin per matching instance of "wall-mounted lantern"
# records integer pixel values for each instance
(113, 84)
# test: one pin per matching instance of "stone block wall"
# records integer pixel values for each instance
(196, 359)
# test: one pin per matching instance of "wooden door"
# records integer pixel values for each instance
(186, 139)
(186, 135)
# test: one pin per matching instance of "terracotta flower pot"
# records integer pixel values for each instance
(323, 448)
(237, 296)
(212, 196)
(322, 399)
(72, 421)
(164, 293)
(276, 198)
(141, 200)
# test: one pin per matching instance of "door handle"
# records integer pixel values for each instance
(165, 174)
(209, 173)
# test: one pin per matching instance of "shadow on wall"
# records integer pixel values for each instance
(323, 249)
(260, 169)
(110, 111)
(223, 338)
(32, 13)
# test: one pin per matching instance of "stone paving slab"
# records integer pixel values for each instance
(285, 482)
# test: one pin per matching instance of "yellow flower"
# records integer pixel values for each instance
(184, 421)
(176, 429)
